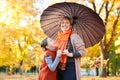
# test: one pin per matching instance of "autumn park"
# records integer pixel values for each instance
(21, 35)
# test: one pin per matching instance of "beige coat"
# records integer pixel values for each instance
(78, 46)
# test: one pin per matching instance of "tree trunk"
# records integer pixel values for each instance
(21, 63)
(104, 56)
(103, 72)
(103, 67)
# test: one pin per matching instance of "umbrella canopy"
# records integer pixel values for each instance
(86, 23)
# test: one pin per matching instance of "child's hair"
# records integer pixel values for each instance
(44, 43)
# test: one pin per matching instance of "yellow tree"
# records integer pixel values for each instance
(19, 28)
(110, 12)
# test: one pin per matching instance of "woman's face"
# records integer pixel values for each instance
(65, 25)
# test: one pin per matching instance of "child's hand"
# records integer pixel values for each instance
(59, 52)
(67, 53)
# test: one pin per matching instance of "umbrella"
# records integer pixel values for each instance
(87, 23)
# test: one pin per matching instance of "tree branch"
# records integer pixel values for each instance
(101, 8)
(113, 31)
(108, 10)
(112, 6)
(107, 15)
(94, 7)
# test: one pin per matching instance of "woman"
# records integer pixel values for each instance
(73, 48)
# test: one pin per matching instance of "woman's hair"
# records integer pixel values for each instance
(67, 18)
(44, 43)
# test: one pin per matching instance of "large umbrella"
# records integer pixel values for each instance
(87, 24)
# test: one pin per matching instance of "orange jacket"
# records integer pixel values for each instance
(45, 73)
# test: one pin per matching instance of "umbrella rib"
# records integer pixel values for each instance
(49, 29)
(49, 19)
(52, 29)
(81, 10)
(92, 28)
(51, 14)
(94, 21)
(83, 36)
(97, 28)
(70, 9)
(49, 23)
(92, 32)
(54, 33)
(77, 28)
(52, 11)
(95, 18)
(88, 21)
(76, 9)
(65, 11)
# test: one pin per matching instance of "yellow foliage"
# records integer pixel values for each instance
(117, 3)
(18, 26)
(91, 0)
(93, 51)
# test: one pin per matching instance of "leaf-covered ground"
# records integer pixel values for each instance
(34, 77)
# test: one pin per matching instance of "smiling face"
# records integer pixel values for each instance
(51, 44)
(48, 43)
(65, 24)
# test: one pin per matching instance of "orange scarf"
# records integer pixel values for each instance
(62, 41)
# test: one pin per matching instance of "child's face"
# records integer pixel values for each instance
(51, 43)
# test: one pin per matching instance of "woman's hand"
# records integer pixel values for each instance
(67, 53)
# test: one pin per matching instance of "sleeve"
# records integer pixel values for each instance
(76, 54)
(78, 45)
(52, 64)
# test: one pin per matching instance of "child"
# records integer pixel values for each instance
(51, 59)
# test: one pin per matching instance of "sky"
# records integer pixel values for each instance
(42, 4)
